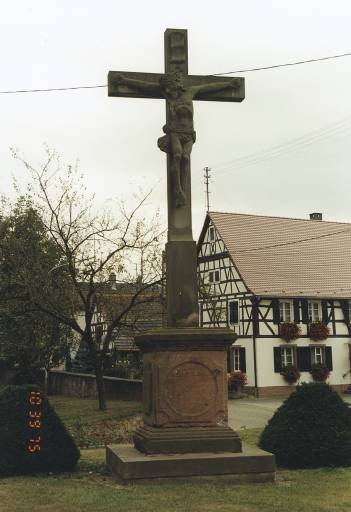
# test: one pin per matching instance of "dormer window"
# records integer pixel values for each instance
(211, 234)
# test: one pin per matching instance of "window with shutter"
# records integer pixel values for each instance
(213, 276)
(317, 355)
(287, 356)
(234, 312)
(238, 359)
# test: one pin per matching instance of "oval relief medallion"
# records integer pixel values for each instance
(191, 389)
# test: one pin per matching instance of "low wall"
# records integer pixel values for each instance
(83, 385)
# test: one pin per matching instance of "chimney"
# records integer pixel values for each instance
(316, 216)
(113, 281)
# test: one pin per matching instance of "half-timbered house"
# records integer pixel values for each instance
(257, 272)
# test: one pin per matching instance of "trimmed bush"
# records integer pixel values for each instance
(312, 428)
(33, 439)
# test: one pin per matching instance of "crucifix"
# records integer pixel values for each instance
(179, 90)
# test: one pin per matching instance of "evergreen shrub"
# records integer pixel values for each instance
(312, 428)
(57, 451)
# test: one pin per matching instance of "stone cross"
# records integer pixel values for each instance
(179, 90)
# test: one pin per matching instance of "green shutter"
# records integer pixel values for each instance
(328, 358)
(276, 311)
(234, 312)
(277, 359)
(304, 311)
(242, 359)
(296, 303)
(324, 311)
(303, 359)
(345, 309)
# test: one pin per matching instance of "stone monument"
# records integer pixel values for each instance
(185, 432)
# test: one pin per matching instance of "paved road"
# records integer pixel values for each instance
(253, 412)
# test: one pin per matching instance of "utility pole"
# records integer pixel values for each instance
(207, 177)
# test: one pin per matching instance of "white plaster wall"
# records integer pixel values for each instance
(265, 361)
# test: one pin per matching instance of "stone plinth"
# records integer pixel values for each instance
(185, 392)
(185, 435)
(251, 465)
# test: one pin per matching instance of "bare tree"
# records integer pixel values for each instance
(92, 245)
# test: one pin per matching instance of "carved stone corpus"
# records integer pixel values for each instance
(179, 89)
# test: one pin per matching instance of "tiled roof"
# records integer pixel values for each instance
(124, 341)
(278, 256)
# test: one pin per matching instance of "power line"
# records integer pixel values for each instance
(287, 147)
(292, 242)
(308, 61)
(297, 63)
(54, 89)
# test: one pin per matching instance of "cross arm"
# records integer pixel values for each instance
(217, 88)
(134, 85)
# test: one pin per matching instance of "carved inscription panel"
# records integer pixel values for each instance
(191, 389)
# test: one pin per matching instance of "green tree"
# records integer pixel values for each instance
(30, 338)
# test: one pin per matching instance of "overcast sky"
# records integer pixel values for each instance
(304, 112)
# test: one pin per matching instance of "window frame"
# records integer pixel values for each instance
(213, 274)
(311, 311)
(323, 355)
(283, 310)
(211, 234)
(236, 358)
(293, 352)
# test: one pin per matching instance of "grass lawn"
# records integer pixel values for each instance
(93, 428)
(92, 489)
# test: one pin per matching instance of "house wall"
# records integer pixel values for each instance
(265, 361)
(213, 256)
(214, 304)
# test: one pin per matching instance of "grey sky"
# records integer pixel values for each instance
(70, 43)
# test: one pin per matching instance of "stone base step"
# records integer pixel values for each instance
(129, 465)
(154, 440)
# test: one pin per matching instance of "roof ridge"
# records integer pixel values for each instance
(278, 217)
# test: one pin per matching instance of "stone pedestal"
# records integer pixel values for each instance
(185, 392)
(185, 431)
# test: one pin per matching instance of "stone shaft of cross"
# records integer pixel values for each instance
(179, 89)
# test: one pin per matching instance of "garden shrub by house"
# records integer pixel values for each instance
(57, 451)
(312, 428)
